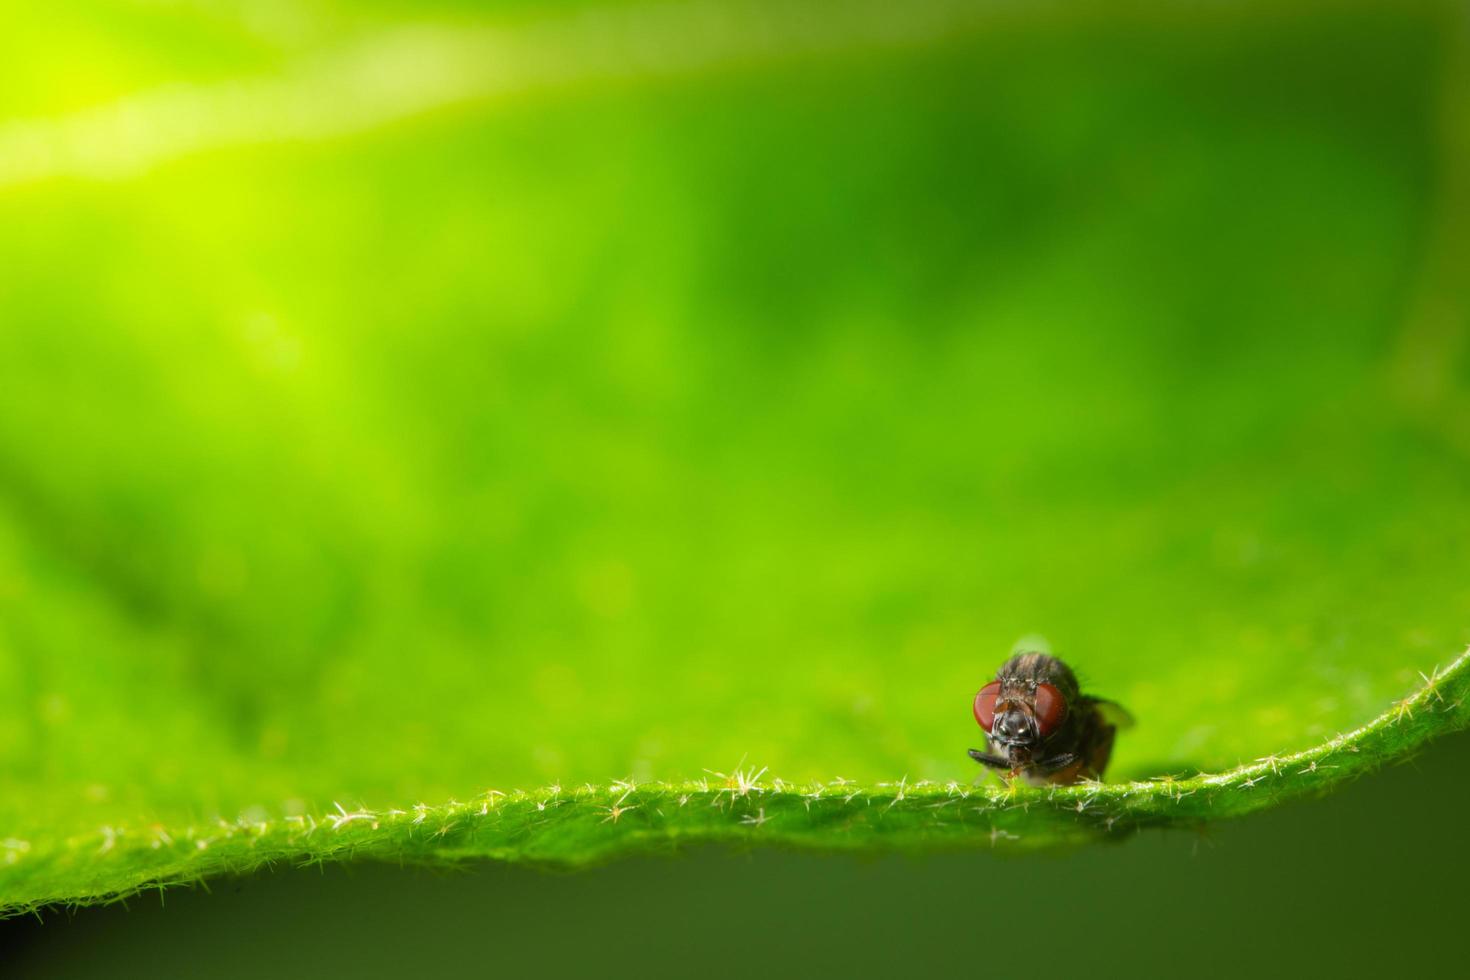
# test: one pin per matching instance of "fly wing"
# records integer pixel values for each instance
(1112, 713)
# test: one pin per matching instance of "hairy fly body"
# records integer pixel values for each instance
(1041, 727)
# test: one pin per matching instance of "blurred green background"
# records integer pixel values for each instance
(400, 400)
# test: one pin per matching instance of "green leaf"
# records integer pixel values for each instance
(583, 824)
(651, 401)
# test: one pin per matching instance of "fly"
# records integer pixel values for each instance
(1041, 727)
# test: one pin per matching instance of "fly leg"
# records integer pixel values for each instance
(1056, 762)
(990, 761)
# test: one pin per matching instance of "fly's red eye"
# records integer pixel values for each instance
(985, 704)
(1051, 708)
